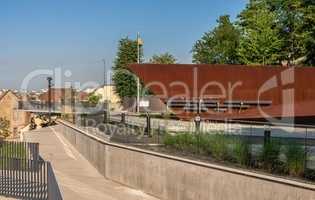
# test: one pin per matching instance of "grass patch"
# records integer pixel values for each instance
(11, 154)
(12, 150)
(270, 156)
(219, 146)
(295, 159)
(183, 142)
(275, 156)
(216, 145)
(242, 152)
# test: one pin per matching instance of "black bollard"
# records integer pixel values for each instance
(123, 118)
(105, 119)
(148, 128)
(197, 123)
(83, 118)
(267, 135)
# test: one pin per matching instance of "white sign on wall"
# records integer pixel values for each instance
(144, 103)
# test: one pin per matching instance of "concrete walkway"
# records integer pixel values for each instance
(77, 178)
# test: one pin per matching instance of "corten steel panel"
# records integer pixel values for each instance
(214, 80)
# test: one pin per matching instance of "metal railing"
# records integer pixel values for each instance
(23, 178)
(19, 150)
(24, 175)
(37, 106)
(60, 107)
(245, 144)
(53, 191)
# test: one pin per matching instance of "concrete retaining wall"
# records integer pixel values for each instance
(173, 178)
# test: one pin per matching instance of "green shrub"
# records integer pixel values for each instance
(295, 159)
(270, 156)
(310, 174)
(241, 152)
(218, 145)
(204, 144)
(182, 142)
(169, 140)
(194, 144)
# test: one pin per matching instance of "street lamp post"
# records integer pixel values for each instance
(73, 100)
(49, 79)
(198, 122)
(106, 99)
(139, 43)
(197, 118)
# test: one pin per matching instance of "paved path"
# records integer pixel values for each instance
(77, 178)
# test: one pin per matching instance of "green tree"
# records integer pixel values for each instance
(4, 127)
(309, 31)
(165, 58)
(260, 42)
(218, 45)
(289, 17)
(94, 98)
(125, 82)
(296, 21)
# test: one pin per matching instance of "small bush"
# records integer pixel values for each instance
(204, 144)
(269, 157)
(182, 142)
(169, 140)
(218, 144)
(309, 174)
(186, 142)
(223, 147)
(241, 152)
(295, 159)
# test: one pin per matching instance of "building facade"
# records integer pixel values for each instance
(18, 119)
(107, 93)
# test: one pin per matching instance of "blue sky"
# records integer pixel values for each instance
(77, 34)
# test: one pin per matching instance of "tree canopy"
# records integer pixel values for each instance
(125, 82)
(265, 32)
(94, 98)
(260, 42)
(218, 45)
(309, 34)
(165, 58)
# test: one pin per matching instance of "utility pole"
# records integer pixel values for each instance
(49, 79)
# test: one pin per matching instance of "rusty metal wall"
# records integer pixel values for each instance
(242, 82)
(251, 78)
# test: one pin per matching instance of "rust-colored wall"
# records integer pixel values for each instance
(251, 78)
